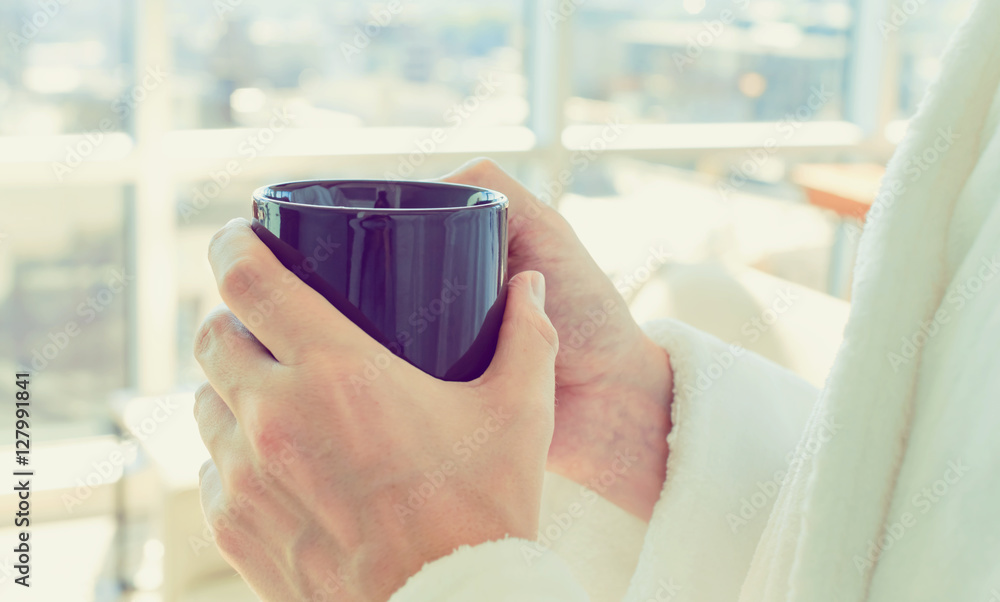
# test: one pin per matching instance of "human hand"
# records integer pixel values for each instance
(614, 385)
(315, 464)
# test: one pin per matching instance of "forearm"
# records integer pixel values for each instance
(613, 435)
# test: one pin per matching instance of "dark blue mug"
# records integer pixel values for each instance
(421, 267)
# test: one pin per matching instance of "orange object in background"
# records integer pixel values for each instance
(846, 188)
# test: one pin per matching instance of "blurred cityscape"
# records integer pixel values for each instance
(696, 61)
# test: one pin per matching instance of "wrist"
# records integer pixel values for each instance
(417, 527)
(612, 434)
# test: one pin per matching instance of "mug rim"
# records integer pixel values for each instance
(500, 201)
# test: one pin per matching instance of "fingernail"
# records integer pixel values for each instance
(538, 290)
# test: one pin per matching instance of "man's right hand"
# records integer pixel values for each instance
(614, 386)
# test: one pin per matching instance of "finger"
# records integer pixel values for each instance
(241, 548)
(522, 207)
(216, 423)
(528, 343)
(210, 486)
(231, 356)
(231, 453)
(285, 314)
(252, 499)
(228, 515)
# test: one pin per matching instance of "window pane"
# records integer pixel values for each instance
(63, 288)
(62, 67)
(707, 60)
(333, 64)
(922, 37)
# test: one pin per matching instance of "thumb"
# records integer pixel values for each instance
(528, 343)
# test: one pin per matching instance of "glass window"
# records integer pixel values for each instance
(65, 67)
(922, 32)
(347, 63)
(706, 60)
(64, 287)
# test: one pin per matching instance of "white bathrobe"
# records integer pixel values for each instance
(883, 487)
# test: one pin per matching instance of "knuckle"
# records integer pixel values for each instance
(482, 168)
(203, 340)
(202, 395)
(205, 467)
(213, 328)
(220, 235)
(269, 440)
(216, 240)
(204, 392)
(242, 479)
(538, 321)
(306, 549)
(241, 278)
(230, 539)
(547, 331)
(229, 524)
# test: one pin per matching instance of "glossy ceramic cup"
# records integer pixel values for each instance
(419, 266)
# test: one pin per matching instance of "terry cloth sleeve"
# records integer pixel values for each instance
(495, 571)
(737, 419)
